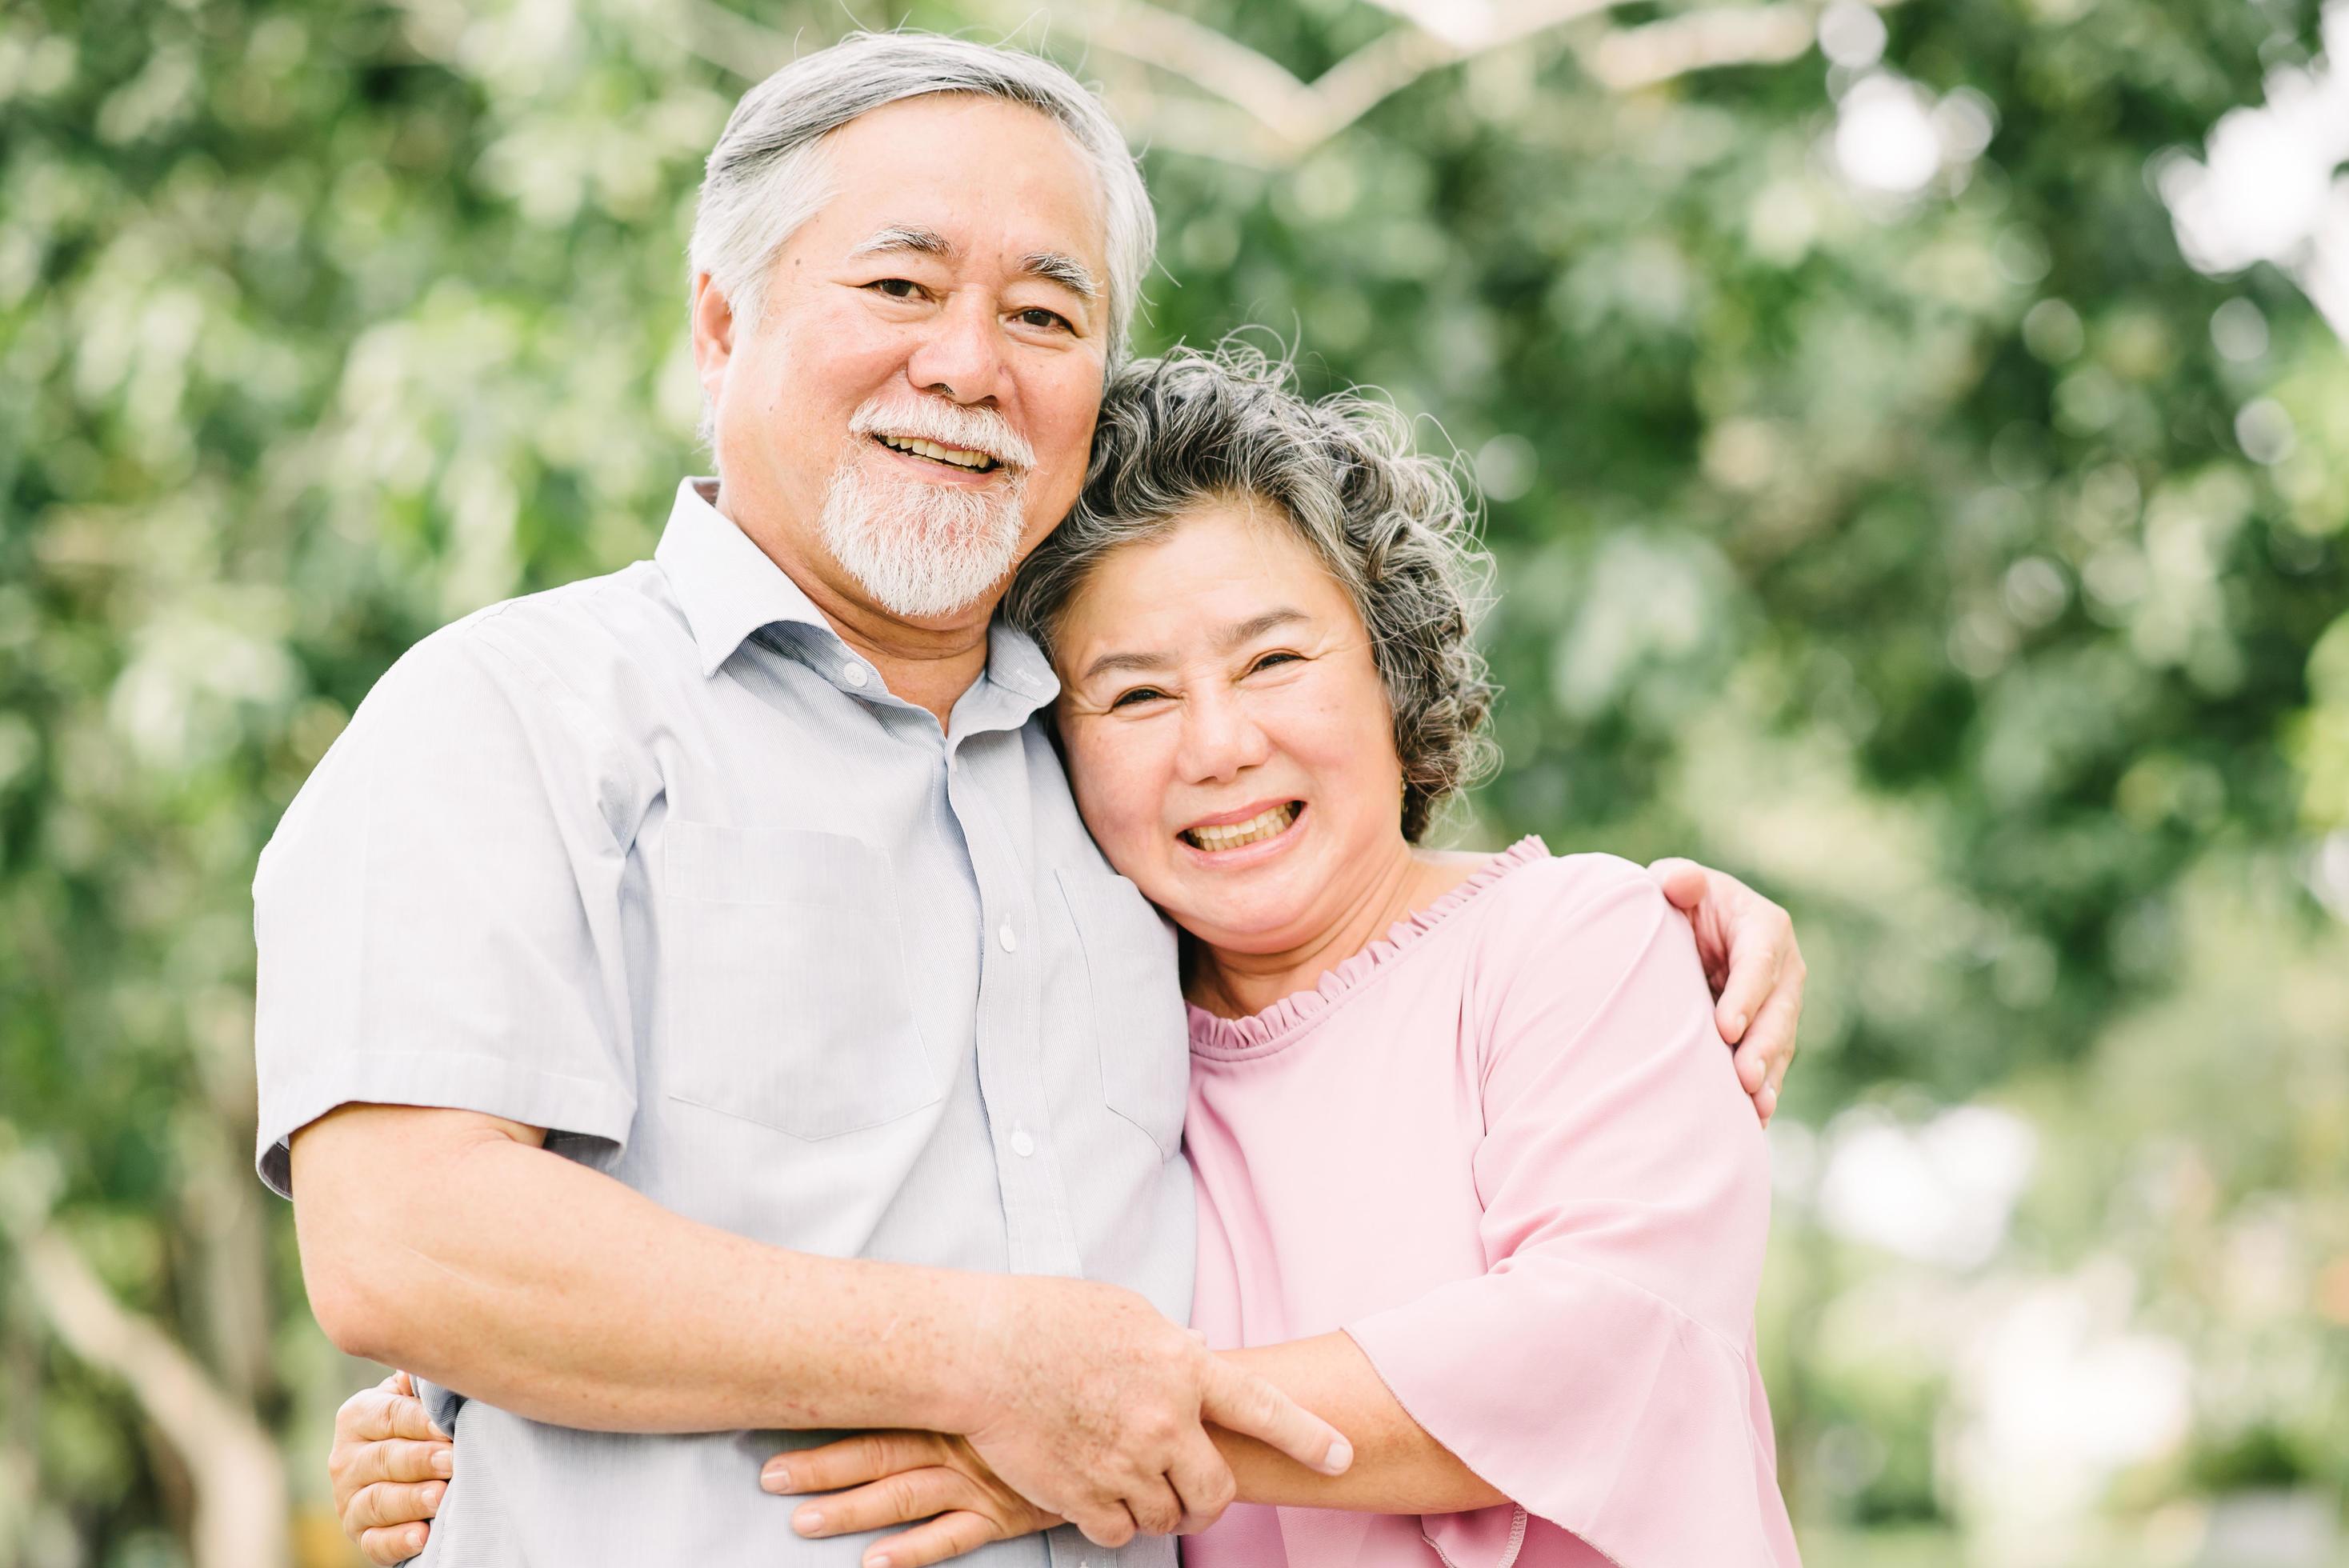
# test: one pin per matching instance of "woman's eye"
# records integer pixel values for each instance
(1270, 659)
(1138, 695)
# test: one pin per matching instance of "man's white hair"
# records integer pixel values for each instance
(767, 175)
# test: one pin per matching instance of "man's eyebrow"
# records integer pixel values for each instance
(1232, 637)
(1066, 271)
(905, 237)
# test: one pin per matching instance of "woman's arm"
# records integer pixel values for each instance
(1398, 1468)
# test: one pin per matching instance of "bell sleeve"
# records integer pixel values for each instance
(1600, 1372)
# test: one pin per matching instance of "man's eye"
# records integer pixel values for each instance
(896, 288)
(1037, 315)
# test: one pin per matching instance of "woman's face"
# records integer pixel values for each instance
(1229, 736)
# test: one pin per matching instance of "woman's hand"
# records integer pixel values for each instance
(898, 1478)
(390, 1466)
(1754, 966)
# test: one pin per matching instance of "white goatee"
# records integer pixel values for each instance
(925, 550)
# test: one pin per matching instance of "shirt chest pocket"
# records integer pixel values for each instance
(1139, 1024)
(788, 1002)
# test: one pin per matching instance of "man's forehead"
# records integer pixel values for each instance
(921, 176)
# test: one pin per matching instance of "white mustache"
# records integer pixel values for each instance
(949, 424)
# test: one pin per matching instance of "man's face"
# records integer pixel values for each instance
(940, 295)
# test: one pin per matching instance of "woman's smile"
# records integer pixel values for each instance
(1223, 840)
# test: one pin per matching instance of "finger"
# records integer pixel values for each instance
(402, 1384)
(390, 1502)
(397, 1459)
(948, 1535)
(374, 1414)
(1156, 1510)
(900, 1499)
(1682, 880)
(1769, 1044)
(1255, 1408)
(1103, 1525)
(851, 1462)
(386, 1547)
(1202, 1482)
(1757, 954)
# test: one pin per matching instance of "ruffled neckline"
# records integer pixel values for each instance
(1276, 1026)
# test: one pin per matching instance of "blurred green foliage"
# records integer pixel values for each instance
(1897, 552)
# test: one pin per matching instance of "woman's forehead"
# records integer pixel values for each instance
(1220, 577)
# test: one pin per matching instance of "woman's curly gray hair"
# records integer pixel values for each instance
(1392, 525)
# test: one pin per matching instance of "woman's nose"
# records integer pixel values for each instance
(961, 353)
(1220, 737)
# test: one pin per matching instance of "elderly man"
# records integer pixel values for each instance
(670, 1029)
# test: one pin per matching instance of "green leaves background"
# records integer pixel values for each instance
(1901, 554)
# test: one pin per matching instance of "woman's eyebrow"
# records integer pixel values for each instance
(1256, 626)
(1231, 637)
(1109, 662)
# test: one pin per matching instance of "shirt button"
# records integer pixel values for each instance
(1021, 1144)
(854, 674)
(1010, 939)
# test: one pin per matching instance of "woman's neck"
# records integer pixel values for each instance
(1234, 985)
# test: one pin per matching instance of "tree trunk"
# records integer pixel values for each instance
(239, 1476)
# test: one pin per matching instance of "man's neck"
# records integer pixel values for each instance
(928, 666)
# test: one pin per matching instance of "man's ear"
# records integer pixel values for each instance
(713, 334)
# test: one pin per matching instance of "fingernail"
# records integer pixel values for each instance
(1737, 1022)
(443, 1462)
(776, 1477)
(807, 1521)
(1769, 1103)
(878, 1559)
(431, 1494)
(414, 1540)
(1341, 1455)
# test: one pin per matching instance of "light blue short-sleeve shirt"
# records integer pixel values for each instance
(656, 861)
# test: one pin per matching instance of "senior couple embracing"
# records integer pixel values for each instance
(916, 1022)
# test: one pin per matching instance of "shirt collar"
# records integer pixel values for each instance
(728, 589)
(726, 584)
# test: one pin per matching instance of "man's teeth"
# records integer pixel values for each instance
(959, 457)
(1248, 832)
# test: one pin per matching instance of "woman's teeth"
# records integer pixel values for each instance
(959, 457)
(1253, 831)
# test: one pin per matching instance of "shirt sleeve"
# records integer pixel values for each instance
(437, 913)
(1600, 1372)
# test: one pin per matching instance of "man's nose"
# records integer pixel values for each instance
(1221, 739)
(961, 353)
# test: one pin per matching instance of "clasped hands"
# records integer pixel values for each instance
(1082, 1403)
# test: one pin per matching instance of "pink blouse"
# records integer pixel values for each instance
(1505, 1150)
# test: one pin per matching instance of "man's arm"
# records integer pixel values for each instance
(452, 1244)
(455, 1245)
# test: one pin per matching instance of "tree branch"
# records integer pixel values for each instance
(239, 1476)
(1703, 40)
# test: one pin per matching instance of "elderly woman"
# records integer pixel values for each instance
(1475, 1181)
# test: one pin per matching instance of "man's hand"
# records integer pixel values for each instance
(1754, 966)
(389, 1466)
(1092, 1405)
(899, 1477)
